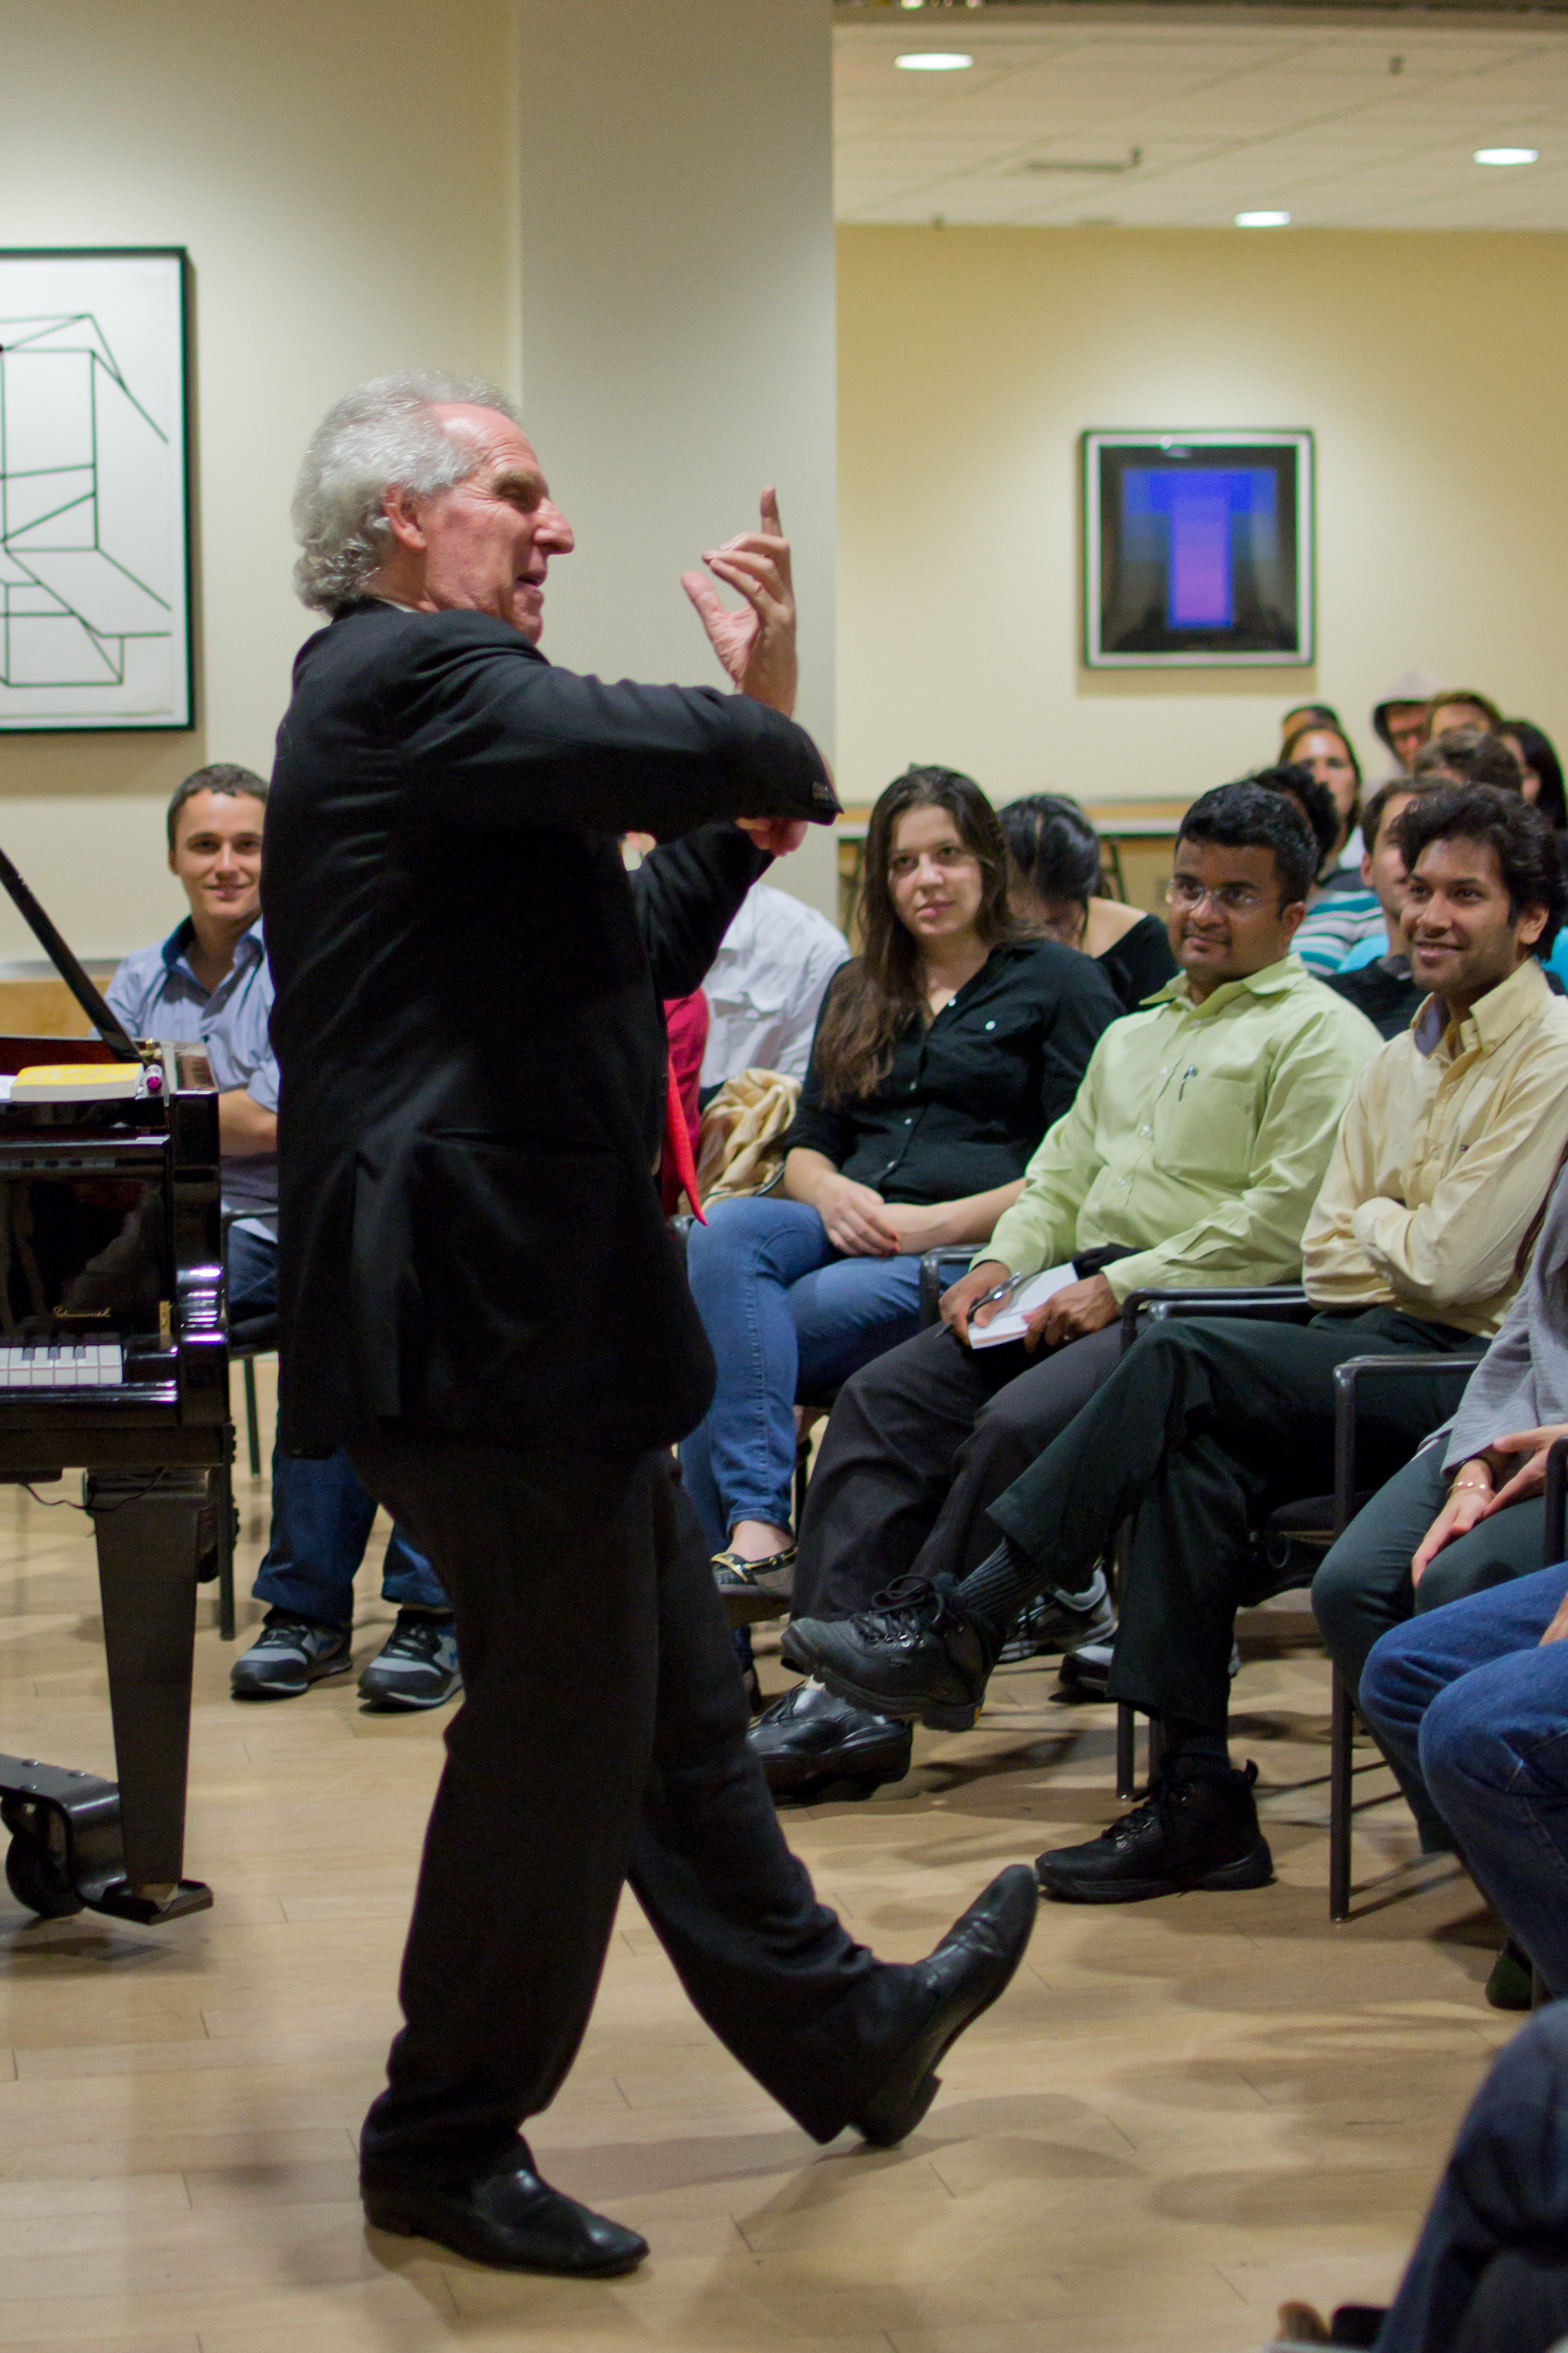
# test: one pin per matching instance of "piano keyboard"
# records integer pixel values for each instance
(63, 1365)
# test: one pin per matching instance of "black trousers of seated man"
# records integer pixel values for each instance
(918, 1444)
(602, 1737)
(1207, 1426)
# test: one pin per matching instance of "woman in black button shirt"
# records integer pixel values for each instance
(942, 1055)
(1057, 894)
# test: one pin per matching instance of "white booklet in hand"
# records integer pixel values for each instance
(1010, 1324)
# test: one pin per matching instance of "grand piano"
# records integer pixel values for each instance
(113, 1360)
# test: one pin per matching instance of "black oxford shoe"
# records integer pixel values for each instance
(808, 1738)
(970, 1968)
(511, 2219)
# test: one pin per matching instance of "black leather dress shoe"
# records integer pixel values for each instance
(1196, 1828)
(972, 1967)
(911, 1655)
(511, 2219)
(806, 1737)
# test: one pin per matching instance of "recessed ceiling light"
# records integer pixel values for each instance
(1506, 156)
(934, 61)
(1263, 220)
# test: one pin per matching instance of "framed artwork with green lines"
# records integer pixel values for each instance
(95, 509)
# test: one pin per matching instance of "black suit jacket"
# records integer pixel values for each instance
(468, 1028)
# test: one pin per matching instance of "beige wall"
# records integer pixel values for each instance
(972, 359)
(679, 336)
(274, 142)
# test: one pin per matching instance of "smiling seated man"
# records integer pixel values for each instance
(209, 982)
(1417, 1242)
(1192, 1153)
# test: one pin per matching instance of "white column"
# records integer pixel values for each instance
(678, 321)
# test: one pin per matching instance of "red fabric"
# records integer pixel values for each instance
(686, 1020)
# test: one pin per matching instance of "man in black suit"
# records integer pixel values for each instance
(479, 1298)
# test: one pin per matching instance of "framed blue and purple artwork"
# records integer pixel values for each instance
(1197, 549)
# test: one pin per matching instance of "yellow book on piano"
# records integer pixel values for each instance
(43, 1083)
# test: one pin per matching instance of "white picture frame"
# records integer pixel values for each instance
(95, 490)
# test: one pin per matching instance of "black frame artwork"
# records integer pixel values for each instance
(97, 618)
(1197, 549)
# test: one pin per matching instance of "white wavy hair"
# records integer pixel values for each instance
(381, 433)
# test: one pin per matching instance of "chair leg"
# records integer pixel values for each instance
(1126, 1750)
(223, 1484)
(1342, 1734)
(252, 1420)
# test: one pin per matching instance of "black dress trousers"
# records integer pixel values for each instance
(602, 1737)
(918, 1444)
(1204, 1427)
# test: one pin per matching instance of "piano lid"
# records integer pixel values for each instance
(69, 966)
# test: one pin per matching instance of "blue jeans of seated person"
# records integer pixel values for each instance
(1488, 2269)
(321, 1511)
(788, 1316)
(1466, 1698)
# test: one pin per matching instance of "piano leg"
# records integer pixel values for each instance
(149, 1548)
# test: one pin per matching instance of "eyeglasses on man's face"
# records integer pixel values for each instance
(1227, 898)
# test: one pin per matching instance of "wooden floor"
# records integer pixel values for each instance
(1182, 2111)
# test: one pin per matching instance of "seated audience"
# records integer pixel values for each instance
(1308, 714)
(1466, 1512)
(1335, 910)
(1328, 754)
(1537, 756)
(1192, 1155)
(1489, 2272)
(209, 980)
(1417, 1242)
(1469, 756)
(1381, 986)
(1461, 706)
(1056, 893)
(1315, 803)
(1470, 1700)
(686, 1026)
(1399, 720)
(765, 985)
(941, 1054)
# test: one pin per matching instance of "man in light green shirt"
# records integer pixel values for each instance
(1192, 1156)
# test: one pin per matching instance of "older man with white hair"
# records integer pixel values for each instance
(481, 1299)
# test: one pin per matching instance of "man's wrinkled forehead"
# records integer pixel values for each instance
(501, 448)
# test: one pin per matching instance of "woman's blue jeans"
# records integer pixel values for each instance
(788, 1316)
(1466, 1698)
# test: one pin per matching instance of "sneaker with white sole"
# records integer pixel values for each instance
(417, 1666)
(289, 1655)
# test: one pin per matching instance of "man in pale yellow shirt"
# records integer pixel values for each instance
(1192, 1154)
(1418, 1243)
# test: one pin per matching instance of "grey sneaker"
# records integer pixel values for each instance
(1053, 1623)
(289, 1655)
(416, 1665)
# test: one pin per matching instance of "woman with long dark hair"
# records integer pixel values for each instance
(1537, 756)
(943, 1052)
(1058, 893)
